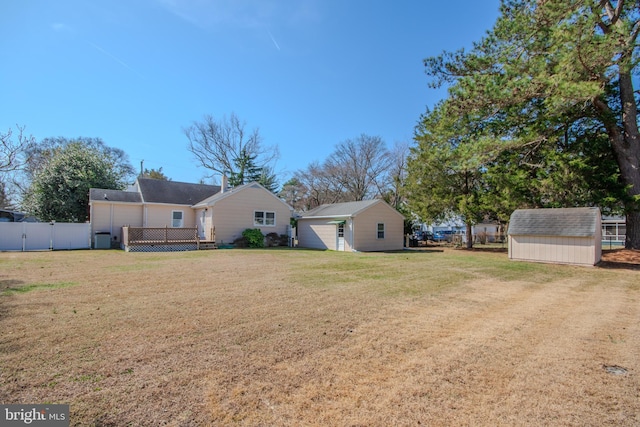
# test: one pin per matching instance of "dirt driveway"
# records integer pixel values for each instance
(315, 338)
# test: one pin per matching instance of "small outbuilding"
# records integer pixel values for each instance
(562, 235)
(367, 226)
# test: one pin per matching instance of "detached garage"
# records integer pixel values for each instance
(565, 236)
(369, 225)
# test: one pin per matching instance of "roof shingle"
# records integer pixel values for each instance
(346, 209)
(171, 192)
(565, 222)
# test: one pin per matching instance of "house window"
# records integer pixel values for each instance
(380, 230)
(262, 218)
(177, 219)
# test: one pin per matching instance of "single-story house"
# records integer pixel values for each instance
(369, 225)
(560, 235)
(487, 231)
(216, 212)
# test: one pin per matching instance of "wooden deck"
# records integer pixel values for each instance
(164, 238)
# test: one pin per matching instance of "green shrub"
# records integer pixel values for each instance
(254, 238)
(275, 239)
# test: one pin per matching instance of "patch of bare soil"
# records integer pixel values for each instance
(257, 338)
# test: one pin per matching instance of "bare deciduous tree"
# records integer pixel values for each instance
(396, 174)
(358, 169)
(360, 165)
(217, 144)
(14, 156)
(13, 151)
(316, 187)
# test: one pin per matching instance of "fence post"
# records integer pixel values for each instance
(52, 223)
(24, 236)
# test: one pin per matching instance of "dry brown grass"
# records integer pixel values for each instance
(286, 337)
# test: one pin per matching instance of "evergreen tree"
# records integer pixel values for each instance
(246, 170)
(60, 187)
(548, 67)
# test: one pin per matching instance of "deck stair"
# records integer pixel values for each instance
(206, 245)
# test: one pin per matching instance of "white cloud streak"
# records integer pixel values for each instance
(273, 40)
(115, 58)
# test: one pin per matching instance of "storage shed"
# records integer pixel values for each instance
(563, 235)
(369, 225)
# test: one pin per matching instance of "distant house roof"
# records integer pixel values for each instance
(147, 190)
(567, 222)
(340, 210)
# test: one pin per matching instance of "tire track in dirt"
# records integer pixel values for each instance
(488, 353)
(523, 351)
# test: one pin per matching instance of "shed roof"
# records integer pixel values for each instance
(340, 210)
(565, 222)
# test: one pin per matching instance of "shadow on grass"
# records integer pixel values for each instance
(612, 265)
(481, 249)
(626, 259)
(8, 283)
(415, 251)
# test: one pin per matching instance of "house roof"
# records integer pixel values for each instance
(99, 194)
(212, 200)
(565, 222)
(147, 190)
(339, 210)
(171, 192)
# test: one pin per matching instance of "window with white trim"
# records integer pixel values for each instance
(177, 219)
(380, 230)
(264, 219)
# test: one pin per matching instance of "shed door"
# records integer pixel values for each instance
(340, 234)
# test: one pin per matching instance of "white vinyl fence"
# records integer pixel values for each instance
(39, 236)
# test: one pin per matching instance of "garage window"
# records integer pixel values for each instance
(380, 230)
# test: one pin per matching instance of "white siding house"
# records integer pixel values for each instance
(565, 235)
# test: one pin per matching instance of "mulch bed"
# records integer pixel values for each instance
(620, 258)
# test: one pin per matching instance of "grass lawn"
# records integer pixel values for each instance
(299, 338)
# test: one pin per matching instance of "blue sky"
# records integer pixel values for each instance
(308, 74)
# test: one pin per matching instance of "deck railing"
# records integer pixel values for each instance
(158, 235)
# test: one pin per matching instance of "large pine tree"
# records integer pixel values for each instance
(549, 65)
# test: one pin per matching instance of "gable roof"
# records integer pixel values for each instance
(176, 193)
(566, 222)
(147, 190)
(100, 194)
(341, 210)
(212, 200)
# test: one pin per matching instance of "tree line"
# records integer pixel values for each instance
(50, 179)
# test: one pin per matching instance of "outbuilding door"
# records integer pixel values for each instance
(340, 236)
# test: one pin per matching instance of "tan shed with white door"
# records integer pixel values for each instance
(563, 235)
(368, 225)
